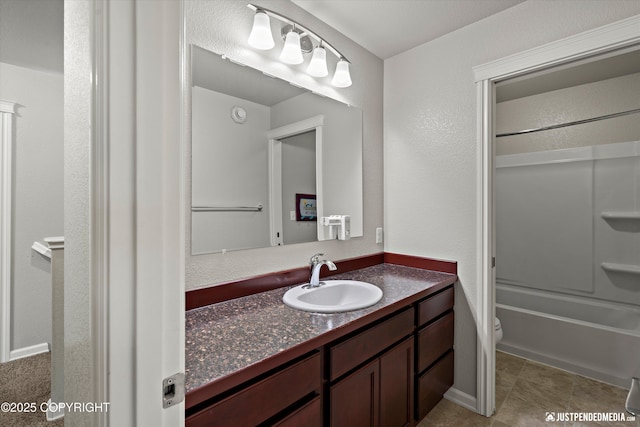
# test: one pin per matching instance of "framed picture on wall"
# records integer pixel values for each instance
(306, 207)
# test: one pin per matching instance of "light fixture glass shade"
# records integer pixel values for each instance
(261, 37)
(318, 64)
(291, 52)
(342, 78)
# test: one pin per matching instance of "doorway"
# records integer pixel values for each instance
(298, 188)
(566, 138)
(295, 174)
(605, 39)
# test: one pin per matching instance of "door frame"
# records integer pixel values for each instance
(137, 196)
(7, 111)
(614, 36)
(314, 123)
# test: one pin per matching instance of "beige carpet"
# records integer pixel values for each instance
(26, 380)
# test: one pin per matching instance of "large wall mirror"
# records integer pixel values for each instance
(268, 159)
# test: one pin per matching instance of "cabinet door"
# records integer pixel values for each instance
(354, 400)
(396, 385)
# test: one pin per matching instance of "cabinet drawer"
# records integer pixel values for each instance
(309, 415)
(434, 341)
(260, 401)
(433, 384)
(434, 306)
(354, 351)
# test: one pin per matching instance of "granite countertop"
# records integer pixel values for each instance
(229, 336)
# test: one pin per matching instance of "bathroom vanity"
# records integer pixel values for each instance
(255, 361)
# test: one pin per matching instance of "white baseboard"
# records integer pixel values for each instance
(29, 351)
(461, 398)
(565, 365)
(52, 416)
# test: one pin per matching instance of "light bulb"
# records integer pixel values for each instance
(342, 78)
(261, 37)
(318, 64)
(291, 52)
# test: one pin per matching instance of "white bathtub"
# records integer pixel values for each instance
(597, 339)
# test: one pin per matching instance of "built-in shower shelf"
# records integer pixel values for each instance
(621, 215)
(621, 268)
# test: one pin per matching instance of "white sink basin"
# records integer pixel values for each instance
(333, 296)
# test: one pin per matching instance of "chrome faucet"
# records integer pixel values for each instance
(316, 265)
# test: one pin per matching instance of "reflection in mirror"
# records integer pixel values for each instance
(298, 178)
(268, 159)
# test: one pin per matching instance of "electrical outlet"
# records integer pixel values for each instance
(292, 215)
(379, 235)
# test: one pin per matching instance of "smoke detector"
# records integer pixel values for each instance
(239, 114)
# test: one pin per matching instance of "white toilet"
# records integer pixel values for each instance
(498, 330)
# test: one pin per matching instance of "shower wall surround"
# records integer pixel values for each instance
(558, 197)
(563, 217)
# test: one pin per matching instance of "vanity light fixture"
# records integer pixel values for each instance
(297, 41)
(292, 52)
(318, 63)
(342, 78)
(261, 37)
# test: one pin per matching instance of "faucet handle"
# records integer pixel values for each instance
(315, 259)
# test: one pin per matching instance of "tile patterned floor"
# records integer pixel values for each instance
(526, 391)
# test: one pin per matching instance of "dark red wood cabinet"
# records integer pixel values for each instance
(379, 393)
(354, 401)
(432, 384)
(308, 415)
(434, 350)
(396, 385)
(390, 373)
(264, 399)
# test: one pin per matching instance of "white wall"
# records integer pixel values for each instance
(431, 152)
(223, 27)
(229, 165)
(567, 105)
(38, 195)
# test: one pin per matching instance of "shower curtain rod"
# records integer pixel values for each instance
(562, 125)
